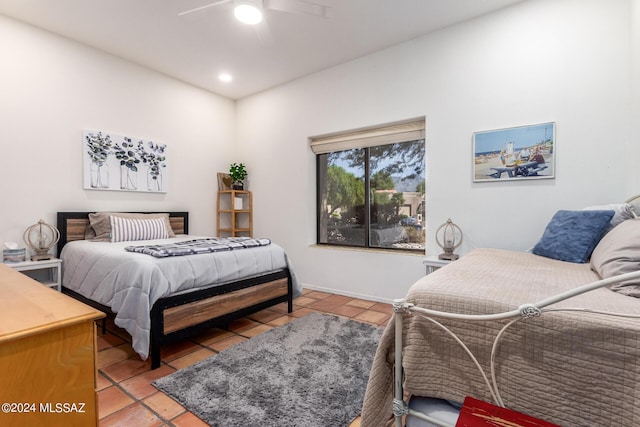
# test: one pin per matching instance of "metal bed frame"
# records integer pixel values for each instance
(246, 296)
(525, 311)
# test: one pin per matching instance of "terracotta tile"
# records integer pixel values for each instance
(371, 316)
(304, 301)
(226, 343)
(264, 316)
(343, 310)
(329, 303)
(382, 307)
(213, 336)
(128, 368)
(102, 382)
(164, 405)
(214, 341)
(178, 349)
(282, 308)
(191, 358)
(188, 420)
(256, 331)
(303, 312)
(133, 415)
(361, 303)
(347, 311)
(140, 385)
(112, 355)
(112, 399)
(317, 295)
(243, 324)
(282, 320)
(338, 299)
(109, 340)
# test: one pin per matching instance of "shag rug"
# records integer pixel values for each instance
(311, 372)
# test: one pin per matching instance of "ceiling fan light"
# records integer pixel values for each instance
(247, 12)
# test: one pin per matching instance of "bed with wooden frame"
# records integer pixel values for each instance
(179, 316)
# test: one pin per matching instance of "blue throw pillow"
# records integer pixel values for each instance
(572, 235)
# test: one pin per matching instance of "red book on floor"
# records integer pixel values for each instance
(476, 413)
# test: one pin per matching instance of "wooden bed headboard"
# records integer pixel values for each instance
(72, 225)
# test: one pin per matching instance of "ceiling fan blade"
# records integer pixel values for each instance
(206, 6)
(299, 6)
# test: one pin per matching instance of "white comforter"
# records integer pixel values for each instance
(130, 283)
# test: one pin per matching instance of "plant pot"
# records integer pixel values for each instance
(238, 186)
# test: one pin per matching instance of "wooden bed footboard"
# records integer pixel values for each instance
(181, 316)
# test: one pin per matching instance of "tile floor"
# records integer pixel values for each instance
(126, 396)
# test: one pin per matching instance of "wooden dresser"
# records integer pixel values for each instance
(47, 355)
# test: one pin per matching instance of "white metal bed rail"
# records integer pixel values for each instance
(524, 311)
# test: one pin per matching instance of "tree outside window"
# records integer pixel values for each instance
(373, 197)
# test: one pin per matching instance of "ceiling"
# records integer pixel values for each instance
(198, 46)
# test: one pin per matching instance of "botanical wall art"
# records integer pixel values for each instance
(116, 162)
(524, 152)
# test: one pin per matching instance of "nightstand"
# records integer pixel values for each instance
(48, 272)
(432, 263)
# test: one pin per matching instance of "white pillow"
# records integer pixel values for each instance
(623, 212)
(127, 229)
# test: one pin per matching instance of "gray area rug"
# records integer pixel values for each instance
(311, 372)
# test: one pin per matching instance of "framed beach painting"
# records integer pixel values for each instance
(517, 153)
(118, 162)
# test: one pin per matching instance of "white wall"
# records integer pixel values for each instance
(633, 182)
(546, 60)
(575, 62)
(52, 88)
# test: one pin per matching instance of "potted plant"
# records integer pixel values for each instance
(238, 173)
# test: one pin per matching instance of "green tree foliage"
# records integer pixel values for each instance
(344, 189)
(408, 158)
(382, 180)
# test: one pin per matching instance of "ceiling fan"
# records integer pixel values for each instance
(250, 11)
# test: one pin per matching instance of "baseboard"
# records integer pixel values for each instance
(347, 294)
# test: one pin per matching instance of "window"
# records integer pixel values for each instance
(371, 187)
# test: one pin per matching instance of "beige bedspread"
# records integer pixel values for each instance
(573, 369)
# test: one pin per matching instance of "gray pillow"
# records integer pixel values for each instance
(617, 253)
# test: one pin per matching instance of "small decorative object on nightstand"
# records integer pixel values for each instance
(40, 238)
(448, 237)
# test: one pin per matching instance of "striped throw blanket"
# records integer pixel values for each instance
(199, 246)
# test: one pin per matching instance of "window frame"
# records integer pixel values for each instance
(400, 132)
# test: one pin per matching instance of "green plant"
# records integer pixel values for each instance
(237, 172)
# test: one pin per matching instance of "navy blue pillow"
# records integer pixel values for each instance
(572, 235)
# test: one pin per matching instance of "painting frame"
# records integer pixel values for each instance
(516, 153)
(224, 181)
(119, 163)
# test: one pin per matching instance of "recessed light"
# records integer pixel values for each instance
(248, 12)
(225, 77)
